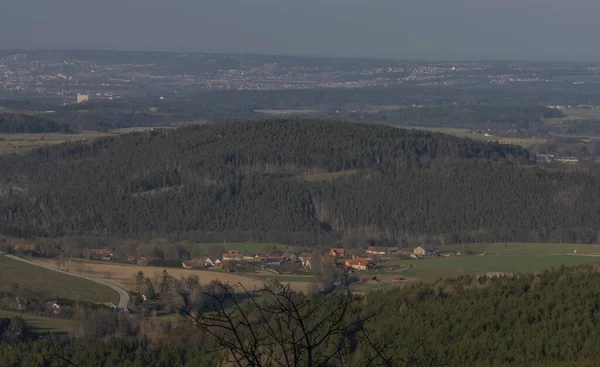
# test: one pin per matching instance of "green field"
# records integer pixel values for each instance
(40, 324)
(524, 248)
(575, 114)
(51, 284)
(201, 249)
(433, 269)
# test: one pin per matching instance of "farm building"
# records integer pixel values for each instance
(103, 254)
(53, 307)
(198, 263)
(233, 256)
(28, 249)
(419, 251)
(360, 264)
(376, 250)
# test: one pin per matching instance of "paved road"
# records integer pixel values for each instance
(123, 295)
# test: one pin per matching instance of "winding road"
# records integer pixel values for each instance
(123, 295)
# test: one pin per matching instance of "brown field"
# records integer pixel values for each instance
(122, 275)
(22, 143)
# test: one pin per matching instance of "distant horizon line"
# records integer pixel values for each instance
(425, 59)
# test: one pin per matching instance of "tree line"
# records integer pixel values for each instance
(17, 123)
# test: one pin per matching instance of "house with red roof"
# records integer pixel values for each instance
(360, 264)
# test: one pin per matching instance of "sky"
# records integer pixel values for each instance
(401, 29)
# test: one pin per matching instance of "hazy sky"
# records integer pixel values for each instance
(515, 29)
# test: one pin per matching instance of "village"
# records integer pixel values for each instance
(356, 259)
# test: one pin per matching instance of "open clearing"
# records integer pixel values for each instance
(465, 133)
(137, 129)
(122, 275)
(433, 269)
(575, 114)
(23, 143)
(52, 284)
(516, 248)
(41, 324)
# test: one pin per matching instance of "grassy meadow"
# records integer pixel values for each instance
(433, 269)
(515, 248)
(51, 284)
(494, 258)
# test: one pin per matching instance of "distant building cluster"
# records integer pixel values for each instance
(82, 98)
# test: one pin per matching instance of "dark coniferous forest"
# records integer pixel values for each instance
(16, 123)
(298, 181)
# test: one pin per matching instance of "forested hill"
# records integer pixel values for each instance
(296, 181)
(16, 123)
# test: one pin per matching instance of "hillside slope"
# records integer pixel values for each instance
(296, 181)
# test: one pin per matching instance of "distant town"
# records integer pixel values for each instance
(113, 75)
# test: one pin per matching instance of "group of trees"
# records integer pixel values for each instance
(242, 180)
(299, 182)
(167, 293)
(16, 123)
(541, 319)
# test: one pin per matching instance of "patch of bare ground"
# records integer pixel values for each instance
(22, 143)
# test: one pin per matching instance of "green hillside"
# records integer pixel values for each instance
(246, 182)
